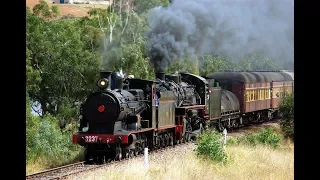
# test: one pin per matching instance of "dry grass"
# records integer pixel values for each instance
(37, 166)
(44, 163)
(245, 163)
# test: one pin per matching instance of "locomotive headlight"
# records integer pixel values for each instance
(85, 129)
(103, 83)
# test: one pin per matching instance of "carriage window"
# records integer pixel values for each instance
(265, 94)
(281, 92)
(269, 93)
(247, 96)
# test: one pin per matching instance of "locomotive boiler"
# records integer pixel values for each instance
(119, 120)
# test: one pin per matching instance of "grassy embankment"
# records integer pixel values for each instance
(245, 161)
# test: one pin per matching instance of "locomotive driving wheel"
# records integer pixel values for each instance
(235, 123)
(87, 154)
(201, 128)
(136, 152)
(220, 127)
(269, 116)
(166, 140)
(259, 117)
(187, 136)
(171, 140)
(128, 153)
(118, 153)
(142, 147)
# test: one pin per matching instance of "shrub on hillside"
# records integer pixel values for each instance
(49, 141)
(52, 144)
(266, 136)
(211, 145)
(287, 122)
(32, 126)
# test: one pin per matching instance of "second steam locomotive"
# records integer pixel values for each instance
(122, 117)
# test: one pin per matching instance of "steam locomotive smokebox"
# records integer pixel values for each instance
(160, 75)
(174, 77)
(116, 81)
(107, 75)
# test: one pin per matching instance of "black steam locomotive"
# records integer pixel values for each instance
(123, 117)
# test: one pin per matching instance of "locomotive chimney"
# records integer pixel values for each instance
(105, 74)
(160, 75)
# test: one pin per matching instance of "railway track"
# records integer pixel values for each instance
(64, 172)
(60, 172)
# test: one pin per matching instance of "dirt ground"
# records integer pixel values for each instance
(77, 10)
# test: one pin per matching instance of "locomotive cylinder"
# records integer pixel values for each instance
(132, 139)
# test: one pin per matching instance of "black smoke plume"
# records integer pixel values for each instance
(231, 28)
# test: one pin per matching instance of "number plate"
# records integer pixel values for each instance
(91, 138)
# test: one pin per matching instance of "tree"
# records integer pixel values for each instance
(143, 6)
(32, 126)
(213, 64)
(43, 10)
(61, 54)
(255, 62)
(107, 20)
(33, 74)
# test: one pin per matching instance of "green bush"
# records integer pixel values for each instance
(287, 122)
(251, 139)
(52, 144)
(210, 145)
(49, 141)
(287, 127)
(32, 126)
(266, 136)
